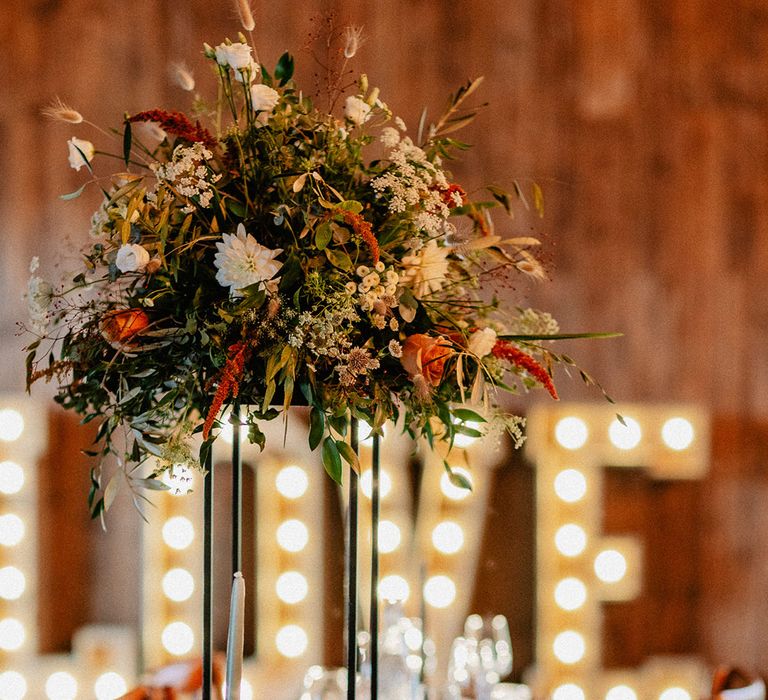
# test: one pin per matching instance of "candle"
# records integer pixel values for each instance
(235, 638)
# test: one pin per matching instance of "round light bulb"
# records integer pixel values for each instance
(394, 588)
(178, 638)
(11, 425)
(627, 435)
(179, 479)
(13, 686)
(178, 584)
(568, 691)
(610, 566)
(621, 692)
(571, 432)
(292, 535)
(61, 686)
(570, 485)
(11, 529)
(292, 482)
(12, 634)
(677, 433)
(455, 493)
(291, 587)
(109, 686)
(448, 537)
(178, 532)
(570, 593)
(569, 647)
(389, 536)
(11, 478)
(12, 583)
(675, 693)
(439, 591)
(570, 540)
(291, 641)
(366, 483)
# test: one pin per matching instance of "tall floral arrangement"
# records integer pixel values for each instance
(266, 252)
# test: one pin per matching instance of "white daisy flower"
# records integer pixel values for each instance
(242, 261)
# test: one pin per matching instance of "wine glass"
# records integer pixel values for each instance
(494, 645)
(323, 683)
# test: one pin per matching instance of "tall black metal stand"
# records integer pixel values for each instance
(237, 490)
(208, 576)
(374, 616)
(351, 577)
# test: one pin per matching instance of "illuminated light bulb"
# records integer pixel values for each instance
(291, 587)
(464, 441)
(178, 585)
(439, 591)
(677, 434)
(570, 485)
(292, 482)
(571, 432)
(366, 483)
(675, 693)
(413, 662)
(11, 425)
(11, 478)
(455, 493)
(389, 536)
(568, 691)
(448, 537)
(291, 641)
(569, 647)
(413, 638)
(179, 479)
(12, 583)
(627, 435)
(621, 692)
(13, 686)
(178, 638)
(394, 588)
(11, 529)
(246, 690)
(610, 566)
(61, 686)
(364, 434)
(571, 540)
(570, 593)
(292, 535)
(12, 634)
(178, 532)
(110, 685)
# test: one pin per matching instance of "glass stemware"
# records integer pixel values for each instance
(494, 645)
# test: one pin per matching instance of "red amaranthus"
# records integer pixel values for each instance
(505, 350)
(228, 382)
(363, 229)
(177, 124)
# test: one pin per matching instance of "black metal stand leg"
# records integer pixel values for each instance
(351, 582)
(375, 569)
(237, 489)
(208, 576)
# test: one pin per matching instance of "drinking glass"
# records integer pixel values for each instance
(494, 645)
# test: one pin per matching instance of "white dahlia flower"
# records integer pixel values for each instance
(242, 261)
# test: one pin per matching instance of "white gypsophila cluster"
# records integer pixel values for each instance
(533, 322)
(39, 296)
(410, 179)
(188, 173)
(390, 136)
(426, 269)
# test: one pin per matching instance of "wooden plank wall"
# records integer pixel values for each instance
(644, 120)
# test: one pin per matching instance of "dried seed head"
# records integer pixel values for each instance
(183, 77)
(62, 113)
(353, 40)
(246, 16)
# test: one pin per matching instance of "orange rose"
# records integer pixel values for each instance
(119, 326)
(426, 355)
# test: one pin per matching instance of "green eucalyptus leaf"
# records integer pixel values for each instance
(332, 459)
(349, 455)
(316, 427)
(465, 414)
(127, 142)
(284, 68)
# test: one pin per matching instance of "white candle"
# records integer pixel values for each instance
(235, 638)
